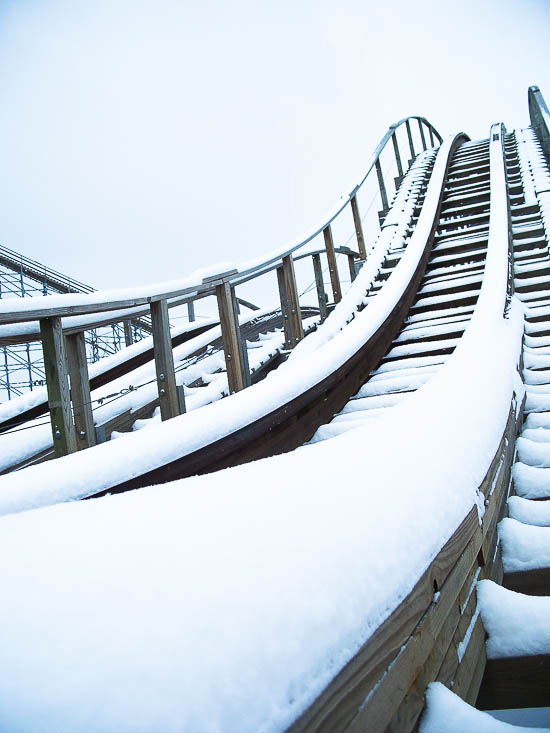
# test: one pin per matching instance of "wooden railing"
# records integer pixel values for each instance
(540, 119)
(63, 340)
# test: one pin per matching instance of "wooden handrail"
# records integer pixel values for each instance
(101, 301)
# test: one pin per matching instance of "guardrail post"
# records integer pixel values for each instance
(283, 296)
(59, 404)
(128, 335)
(333, 268)
(397, 159)
(164, 360)
(383, 195)
(351, 264)
(411, 144)
(236, 361)
(320, 285)
(293, 302)
(358, 227)
(422, 134)
(80, 390)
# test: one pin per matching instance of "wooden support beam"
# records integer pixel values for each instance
(332, 266)
(383, 194)
(191, 311)
(57, 381)
(238, 375)
(128, 334)
(80, 390)
(421, 128)
(283, 296)
(397, 156)
(409, 135)
(320, 285)
(294, 314)
(358, 227)
(164, 360)
(432, 141)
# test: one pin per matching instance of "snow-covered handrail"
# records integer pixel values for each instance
(540, 119)
(221, 281)
(284, 410)
(22, 310)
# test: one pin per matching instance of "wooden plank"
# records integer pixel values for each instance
(358, 227)
(320, 287)
(515, 682)
(80, 391)
(57, 381)
(191, 311)
(470, 663)
(231, 335)
(531, 582)
(293, 300)
(164, 360)
(333, 268)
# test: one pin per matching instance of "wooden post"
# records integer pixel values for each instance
(321, 296)
(283, 296)
(409, 135)
(333, 268)
(294, 315)
(237, 376)
(432, 142)
(164, 360)
(397, 156)
(381, 185)
(358, 227)
(55, 367)
(351, 264)
(191, 311)
(80, 390)
(128, 335)
(422, 134)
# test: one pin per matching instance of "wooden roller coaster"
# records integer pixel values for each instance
(463, 240)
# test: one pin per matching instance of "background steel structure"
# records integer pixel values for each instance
(22, 365)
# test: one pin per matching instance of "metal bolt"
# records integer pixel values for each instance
(161, 377)
(57, 435)
(162, 392)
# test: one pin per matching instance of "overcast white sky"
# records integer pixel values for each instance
(142, 139)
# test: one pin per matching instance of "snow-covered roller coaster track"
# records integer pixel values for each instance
(388, 529)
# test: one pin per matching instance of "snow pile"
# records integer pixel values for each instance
(517, 624)
(524, 546)
(531, 482)
(445, 712)
(529, 512)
